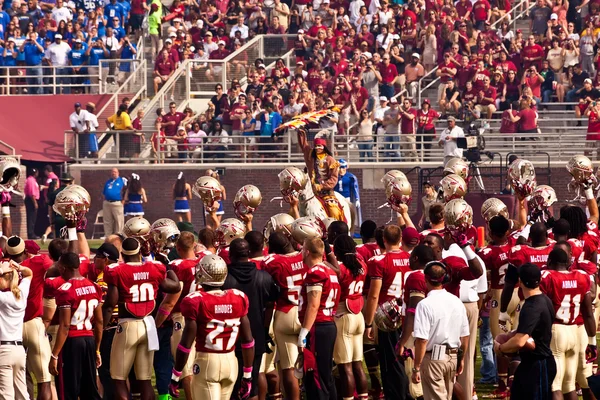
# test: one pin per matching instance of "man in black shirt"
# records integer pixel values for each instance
(534, 376)
(578, 79)
(261, 290)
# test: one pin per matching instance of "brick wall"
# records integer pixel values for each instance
(158, 184)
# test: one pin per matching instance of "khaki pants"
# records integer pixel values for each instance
(178, 325)
(513, 310)
(38, 349)
(113, 217)
(348, 344)
(130, 348)
(466, 378)
(565, 348)
(287, 327)
(437, 377)
(408, 145)
(12, 373)
(214, 375)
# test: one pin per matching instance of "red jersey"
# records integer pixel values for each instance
(352, 288)
(38, 264)
(82, 296)
(408, 125)
(520, 255)
(368, 250)
(507, 126)
(459, 271)
(480, 10)
(321, 275)
(257, 261)
(288, 271)
(137, 284)
(495, 259)
(218, 316)
(223, 252)
(390, 268)
(426, 120)
(414, 284)
(479, 78)
(489, 93)
(51, 285)
(186, 272)
(566, 289)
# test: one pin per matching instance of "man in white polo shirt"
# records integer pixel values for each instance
(58, 54)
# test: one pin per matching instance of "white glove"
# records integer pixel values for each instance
(302, 337)
(503, 318)
(357, 204)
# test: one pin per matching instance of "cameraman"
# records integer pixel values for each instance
(448, 140)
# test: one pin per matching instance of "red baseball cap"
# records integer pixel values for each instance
(320, 142)
(411, 236)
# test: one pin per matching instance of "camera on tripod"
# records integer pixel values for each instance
(473, 142)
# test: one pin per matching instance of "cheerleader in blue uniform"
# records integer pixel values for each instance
(182, 192)
(135, 197)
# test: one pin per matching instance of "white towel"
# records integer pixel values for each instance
(151, 333)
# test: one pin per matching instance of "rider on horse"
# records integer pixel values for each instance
(323, 171)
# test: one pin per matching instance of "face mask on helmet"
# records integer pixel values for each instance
(72, 203)
(458, 167)
(11, 171)
(454, 187)
(388, 316)
(247, 200)
(208, 189)
(291, 181)
(163, 234)
(521, 175)
(211, 271)
(540, 202)
(581, 169)
(307, 228)
(458, 216)
(229, 230)
(398, 191)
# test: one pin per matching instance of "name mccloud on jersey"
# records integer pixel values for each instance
(223, 309)
(539, 258)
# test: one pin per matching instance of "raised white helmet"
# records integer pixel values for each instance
(281, 223)
(230, 229)
(208, 189)
(246, 200)
(137, 227)
(582, 169)
(11, 171)
(493, 207)
(388, 316)
(85, 196)
(521, 175)
(542, 198)
(392, 174)
(164, 233)
(71, 203)
(306, 228)
(211, 271)
(291, 180)
(398, 191)
(457, 166)
(453, 186)
(458, 215)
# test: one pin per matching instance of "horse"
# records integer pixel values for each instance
(309, 205)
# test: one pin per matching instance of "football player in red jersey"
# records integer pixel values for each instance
(579, 230)
(78, 301)
(214, 317)
(572, 300)
(133, 285)
(369, 247)
(206, 238)
(348, 350)
(386, 273)
(256, 241)
(415, 290)
(560, 232)
(495, 257)
(34, 333)
(319, 300)
(287, 269)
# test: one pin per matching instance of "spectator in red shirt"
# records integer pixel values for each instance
(480, 75)
(593, 131)
(464, 73)
(508, 125)
(534, 80)
(446, 71)
(426, 117)
(408, 141)
(464, 9)
(163, 69)
(504, 64)
(486, 99)
(171, 120)
(527, 118)
(215, 68)
(482, 11)
(532, 53)
(360, 94)
(388, 73)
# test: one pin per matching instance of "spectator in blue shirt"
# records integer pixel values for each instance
(95, 52)
(34, 52)
(127, 51)
(113, 203)
(77, 58)
(112, 10)
(35, 14)
(269, 121)
(119, 31)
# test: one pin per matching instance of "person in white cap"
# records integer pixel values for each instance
(13, 301)
(414, 72)
(58, 54)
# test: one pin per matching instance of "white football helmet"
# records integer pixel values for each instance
(292, 180)
(11, 171)
(581, 168)
(453, 186)
(281, 223)
(457, 166)
(211, 271)
(137, 227)
(72, 203)
(307, 228)
(492, 207)
(163, 234)
(230, 229)
(398, 191)
(246, 200)
(388, 316)
(458, 216)
(542, 198)
(521, 175)
(391, 175)
(208, 189)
